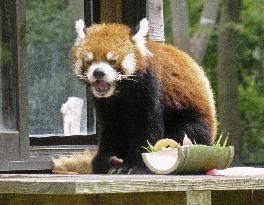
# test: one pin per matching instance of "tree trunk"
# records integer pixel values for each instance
(156, 23)
(197, 45)
(228, 98)
(180, 24)
(199, 42)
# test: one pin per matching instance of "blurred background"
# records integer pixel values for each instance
(225, 37)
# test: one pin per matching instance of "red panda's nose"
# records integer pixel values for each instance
(98, 73)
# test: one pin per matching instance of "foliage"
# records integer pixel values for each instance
(252, 112)
(252, 80)
(217, 142)
(4, 53)
(251, 59)
(150, 148)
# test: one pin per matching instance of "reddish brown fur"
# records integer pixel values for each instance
(182, 81)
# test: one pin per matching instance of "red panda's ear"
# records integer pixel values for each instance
(80, 30)
(141, 30)
(134, 30)
(139, 36)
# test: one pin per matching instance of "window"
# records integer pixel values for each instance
(50, 36)
(8, 122)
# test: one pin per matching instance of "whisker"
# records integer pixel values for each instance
(124, 77)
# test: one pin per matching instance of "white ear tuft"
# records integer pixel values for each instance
(143, 29)
(129, 64)
(139, 37)
(79, 26)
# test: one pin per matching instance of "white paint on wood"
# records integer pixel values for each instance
(71, 112)
(156, 20)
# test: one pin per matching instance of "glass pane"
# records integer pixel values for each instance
(7, 79)
(50, 36)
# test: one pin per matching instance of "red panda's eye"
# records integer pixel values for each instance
(89, 62)
(112, 62)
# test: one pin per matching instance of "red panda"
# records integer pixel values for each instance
(143, 91)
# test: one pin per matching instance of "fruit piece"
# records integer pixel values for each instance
(186, 141)
(165, 143)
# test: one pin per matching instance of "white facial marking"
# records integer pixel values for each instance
(139, 37)
(77, 67)
(110, 56)
(89, 56)
(109, 77)
(110, 73)
(79, 27)
(129, 64)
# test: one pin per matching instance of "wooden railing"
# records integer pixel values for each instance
(42, 189)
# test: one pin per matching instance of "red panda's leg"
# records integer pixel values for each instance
(179, 122)
(143, 119)
(198, 132)
(101, 163)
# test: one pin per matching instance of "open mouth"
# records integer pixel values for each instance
(102, 86)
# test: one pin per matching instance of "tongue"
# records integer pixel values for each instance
(102, 86)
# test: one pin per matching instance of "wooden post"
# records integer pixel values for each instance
(198, 198)
(110, 11)
(156, 21)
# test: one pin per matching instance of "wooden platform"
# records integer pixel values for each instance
(25, 189)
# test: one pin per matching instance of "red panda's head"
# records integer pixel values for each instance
(105, 53)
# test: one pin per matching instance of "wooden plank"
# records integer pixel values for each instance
(168, 198)
(22, 74)
(34, 164)
(99, 184)
(9, 146)
(156, 20)
(198, 198)
(241, 197)
(257, 197)
(110, 11)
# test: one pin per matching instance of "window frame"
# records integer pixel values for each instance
(14, 146)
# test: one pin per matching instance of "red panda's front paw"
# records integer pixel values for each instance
(128, 170)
